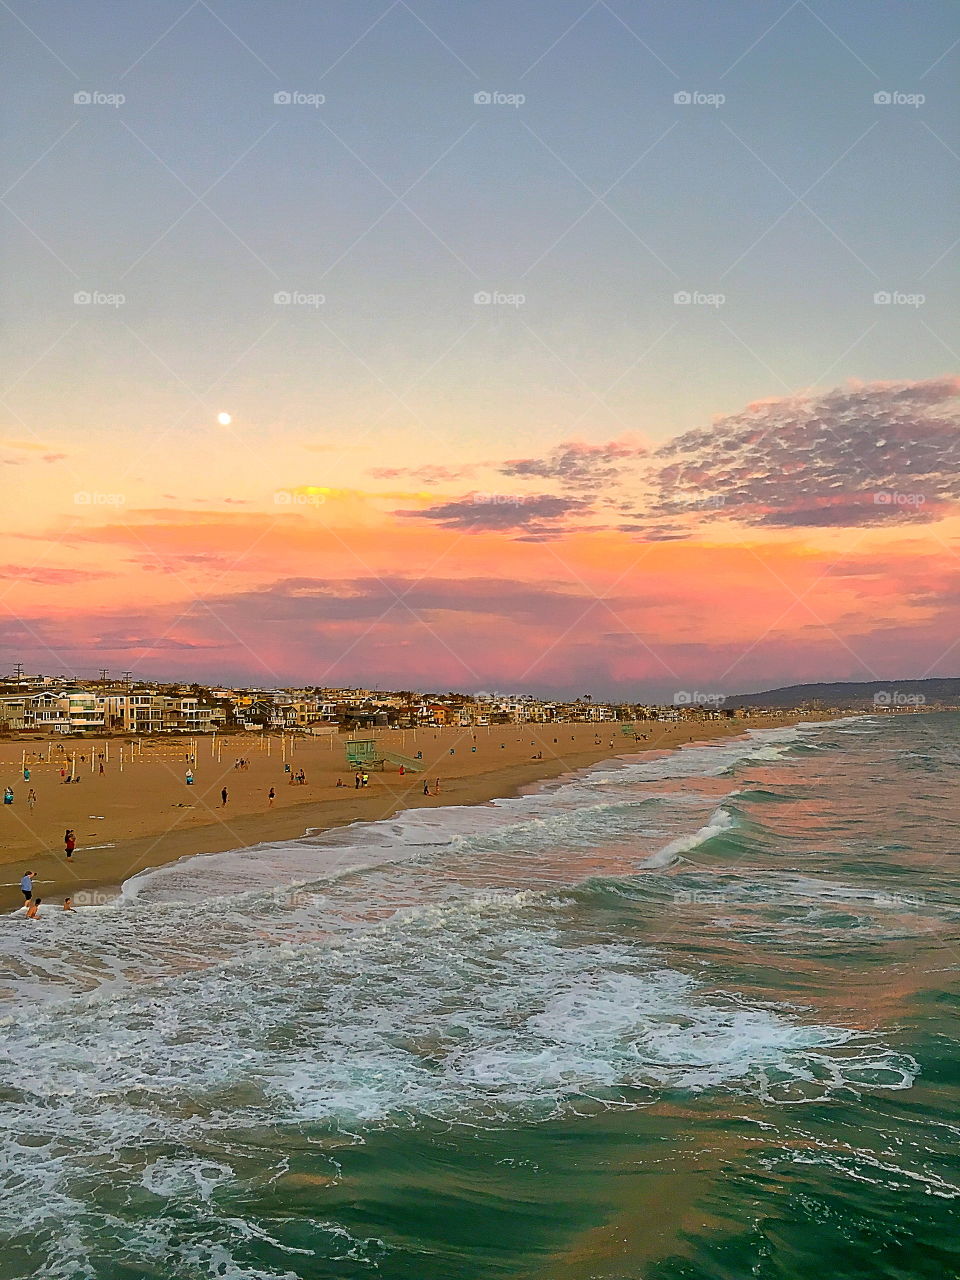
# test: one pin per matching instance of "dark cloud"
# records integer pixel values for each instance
(585, 468)
(656, 532)
(868, 455)
(366, 599)
(117, 640)
(838, 515)
(538, 515)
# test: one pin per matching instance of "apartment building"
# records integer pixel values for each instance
(140, 713)
(12, 713)
(66, 711)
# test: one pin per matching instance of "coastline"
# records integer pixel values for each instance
(165, 831)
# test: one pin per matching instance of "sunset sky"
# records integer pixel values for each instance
(562, 347)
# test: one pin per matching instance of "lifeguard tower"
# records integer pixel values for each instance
(366, 753)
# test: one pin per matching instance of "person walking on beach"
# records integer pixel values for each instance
(426, 787)
(69, 842)
(8, 795)
(223, 798)
(356, 781)
(271, 796)
(189, 777)
(26, 885)
(31, 799)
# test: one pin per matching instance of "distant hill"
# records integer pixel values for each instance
(939, 690)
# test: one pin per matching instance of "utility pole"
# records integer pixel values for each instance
(18, 672)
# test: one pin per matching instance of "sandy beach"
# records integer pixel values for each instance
(146, 815)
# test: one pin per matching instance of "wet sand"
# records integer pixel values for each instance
(146, 816)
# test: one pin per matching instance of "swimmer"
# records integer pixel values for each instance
(33, 909)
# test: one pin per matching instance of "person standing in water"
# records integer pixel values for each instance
(68, 904)
(33, 909)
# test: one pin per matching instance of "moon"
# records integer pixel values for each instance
(224, 419)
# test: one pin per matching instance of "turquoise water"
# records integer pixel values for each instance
(684, 1019)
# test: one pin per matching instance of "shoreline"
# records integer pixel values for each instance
(480, 775)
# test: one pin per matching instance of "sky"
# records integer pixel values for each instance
(563, 347)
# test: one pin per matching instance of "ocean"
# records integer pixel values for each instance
(684, 1018)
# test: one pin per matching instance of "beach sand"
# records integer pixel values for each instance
(146, 815)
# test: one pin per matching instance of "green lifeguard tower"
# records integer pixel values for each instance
(364, 753)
